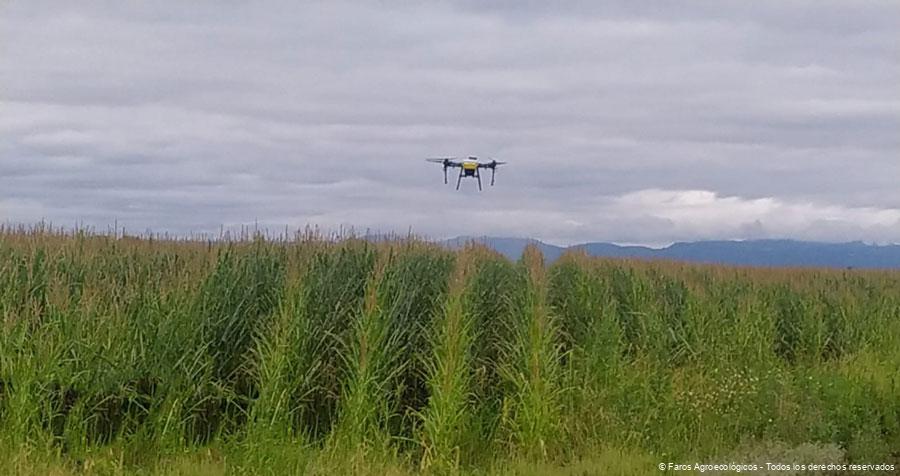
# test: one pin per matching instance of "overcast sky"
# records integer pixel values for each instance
(671, 121)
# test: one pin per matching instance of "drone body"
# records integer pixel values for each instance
(468, 167)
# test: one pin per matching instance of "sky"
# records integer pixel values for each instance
(628, 122)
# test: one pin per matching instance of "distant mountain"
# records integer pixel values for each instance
(773, 253)
(512, 248)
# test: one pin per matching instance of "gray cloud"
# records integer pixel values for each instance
(637, 123)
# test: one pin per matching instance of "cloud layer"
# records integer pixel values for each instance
(620, 122)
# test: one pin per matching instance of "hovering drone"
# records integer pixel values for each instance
(468, 167)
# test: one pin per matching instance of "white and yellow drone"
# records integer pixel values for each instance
(468, 167)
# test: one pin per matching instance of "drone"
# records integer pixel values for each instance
(468, 167)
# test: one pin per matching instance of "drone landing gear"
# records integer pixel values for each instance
(477, 176)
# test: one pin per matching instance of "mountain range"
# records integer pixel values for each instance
(764, 253)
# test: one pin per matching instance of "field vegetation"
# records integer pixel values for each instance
(247, 355)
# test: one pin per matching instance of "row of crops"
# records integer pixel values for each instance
(443, 359)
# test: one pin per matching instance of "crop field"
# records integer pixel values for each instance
(340, 356)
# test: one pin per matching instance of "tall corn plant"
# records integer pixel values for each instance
(386, 377)
(494, 299)
(638, 312)
(592, 343)
(372, 358)
(235, 304)
(445, 421)
(532, 365)
(299, 362)
(44, 345)
(334, 293)
(412, 291)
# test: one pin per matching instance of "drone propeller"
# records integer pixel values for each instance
(493, 166)
(446, 162)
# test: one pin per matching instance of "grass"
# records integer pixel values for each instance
(327, 356)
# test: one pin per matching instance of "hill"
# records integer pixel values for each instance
(769, 253)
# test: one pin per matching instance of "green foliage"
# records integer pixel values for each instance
(126, 355)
